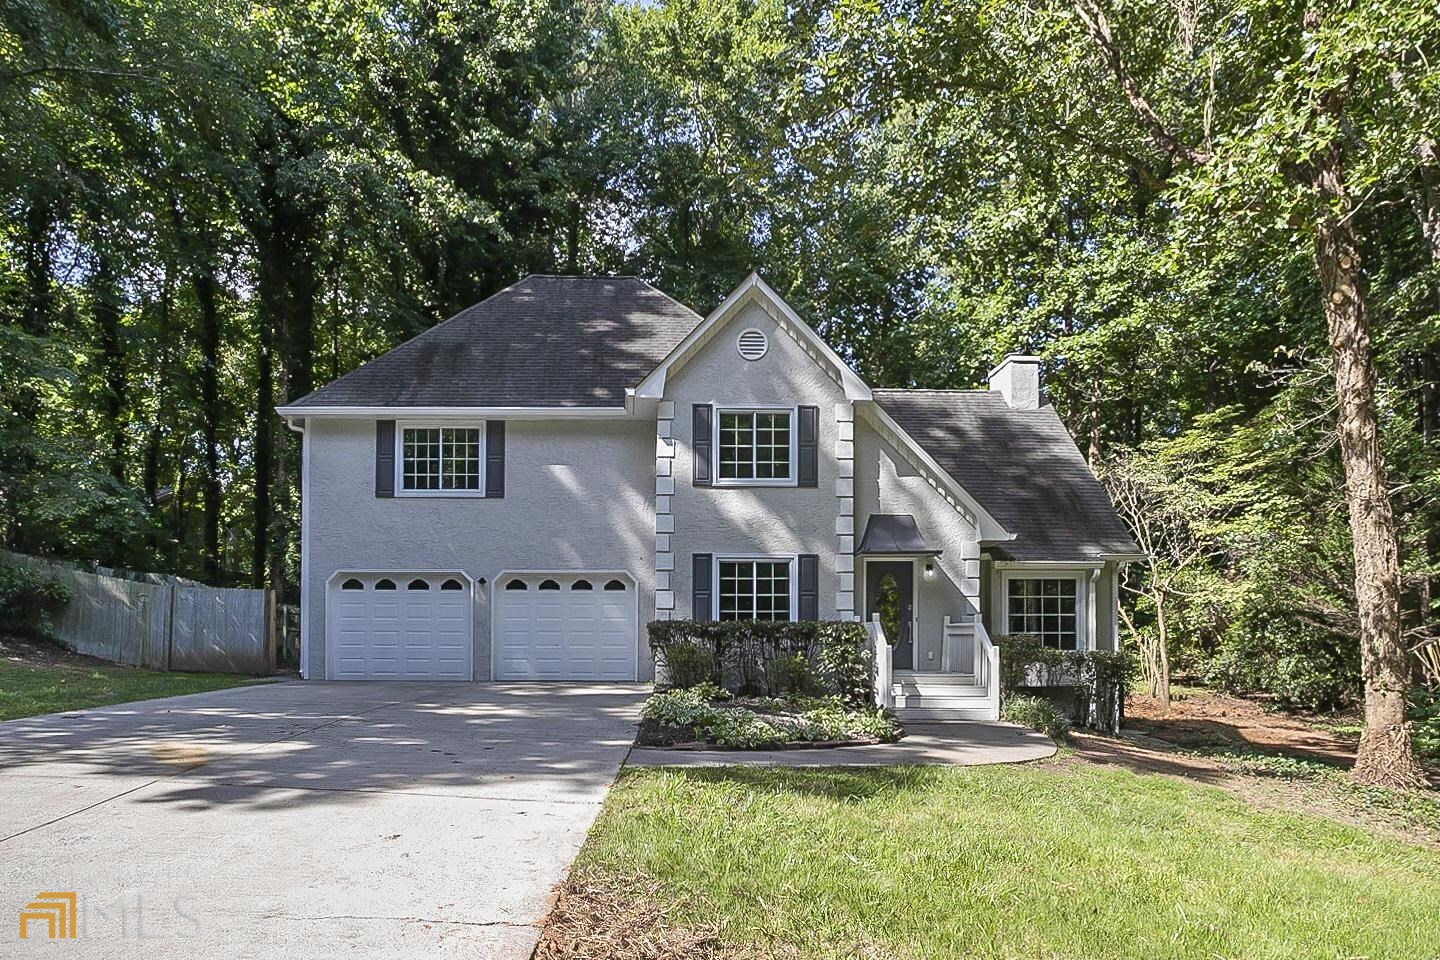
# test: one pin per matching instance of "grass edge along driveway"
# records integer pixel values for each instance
(31, 689)
(1010, 861)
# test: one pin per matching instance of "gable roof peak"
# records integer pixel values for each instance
(751, 289)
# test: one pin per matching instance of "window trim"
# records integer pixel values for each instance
(1084, 636)
(402, 425)
(718, 410)
(792, 562)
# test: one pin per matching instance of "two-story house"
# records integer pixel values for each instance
(514, 493)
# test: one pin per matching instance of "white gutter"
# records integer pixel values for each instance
(497, 413)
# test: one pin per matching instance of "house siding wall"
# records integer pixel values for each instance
(753, 521)
(887, 481)
(577, 497)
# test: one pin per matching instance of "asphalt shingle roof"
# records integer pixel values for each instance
(1023, 467)
(543, 342)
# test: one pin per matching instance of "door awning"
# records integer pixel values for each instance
(894, 534)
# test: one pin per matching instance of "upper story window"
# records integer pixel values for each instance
(755, 446)
(1044, 607)
(441, 460)
(754, 590)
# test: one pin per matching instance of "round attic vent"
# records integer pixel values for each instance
(752, 344)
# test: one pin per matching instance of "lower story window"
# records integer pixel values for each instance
(754, 589)
(1044, 607)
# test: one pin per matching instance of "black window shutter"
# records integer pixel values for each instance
(494, 458)
(809, 606)
(703, 474)
(702, 604)
(809, 468)
(384, 458)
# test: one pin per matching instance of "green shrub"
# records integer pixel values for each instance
(792, 673)
(795, 719)
(1098, 678)
(738, 727)
(708, 691)
(758, 658)
(1424, 713)
(831, 720)
(1299, 665)
(689, 665)
(679, 708)
(1037, 713)
(28, 597)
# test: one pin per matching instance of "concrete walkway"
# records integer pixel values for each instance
(960, 743)
(326, 820)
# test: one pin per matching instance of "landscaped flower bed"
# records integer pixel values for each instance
(706, 714)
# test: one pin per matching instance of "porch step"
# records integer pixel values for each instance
(943, 713)
(936, 681)
(940, 696)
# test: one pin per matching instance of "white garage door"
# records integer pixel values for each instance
(410, 626)
(572, 627)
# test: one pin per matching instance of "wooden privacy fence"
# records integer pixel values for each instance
(165, 623)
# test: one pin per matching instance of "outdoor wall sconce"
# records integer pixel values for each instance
(929, 571)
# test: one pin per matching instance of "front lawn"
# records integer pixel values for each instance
(31, 685)
(1022, 862)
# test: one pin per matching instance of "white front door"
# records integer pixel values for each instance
(576, 626)
(399, 626)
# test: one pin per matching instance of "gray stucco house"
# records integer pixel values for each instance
(514, 493)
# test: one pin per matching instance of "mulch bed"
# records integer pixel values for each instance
(42, 654)
(652, 733)
(613, 920)
(1210, 720)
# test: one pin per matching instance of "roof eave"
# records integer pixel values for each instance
(987, 526)
(372, 411)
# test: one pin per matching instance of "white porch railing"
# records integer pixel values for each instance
(959, 650)
(987, 667)
(883, 672)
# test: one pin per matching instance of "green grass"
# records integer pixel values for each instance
(27, 689)
(1011, 862)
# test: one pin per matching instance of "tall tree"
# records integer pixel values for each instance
(1329, 108)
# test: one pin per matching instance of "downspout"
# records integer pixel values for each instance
(1091, 601)
(298, 424)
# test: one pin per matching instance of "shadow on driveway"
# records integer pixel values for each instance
(397, 820)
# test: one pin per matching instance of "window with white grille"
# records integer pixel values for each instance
(755, 446)
(754, 590)
(1045, 607)
(442, 460)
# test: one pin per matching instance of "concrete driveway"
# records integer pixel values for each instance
(308, 819)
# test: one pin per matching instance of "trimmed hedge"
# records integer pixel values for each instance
(766, 658)
(1098, 678)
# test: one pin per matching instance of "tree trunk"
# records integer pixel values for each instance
(105, 292)
(1387, 754)
(572, 238)
(155, 433)
(1162, 653)
(264, 412)
(205, 285)
(1427, 212)
(39, 275)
